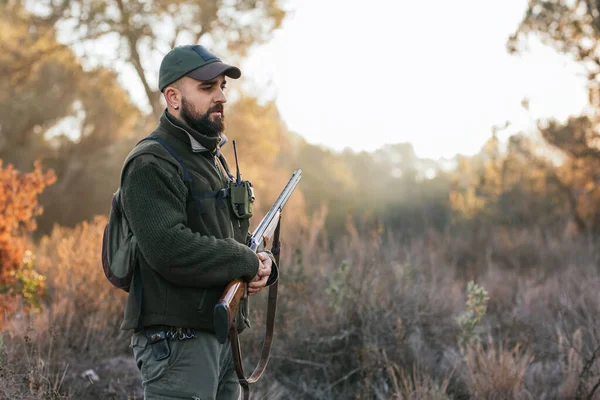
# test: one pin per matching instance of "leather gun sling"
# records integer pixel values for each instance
(235, 340)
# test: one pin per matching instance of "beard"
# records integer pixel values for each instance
(202, 122)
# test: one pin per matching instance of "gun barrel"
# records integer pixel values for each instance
(273, 213)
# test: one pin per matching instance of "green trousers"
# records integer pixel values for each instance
(196, 369)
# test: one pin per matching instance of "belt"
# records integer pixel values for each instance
(171, 332)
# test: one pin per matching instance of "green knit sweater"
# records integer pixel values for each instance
(189, 250)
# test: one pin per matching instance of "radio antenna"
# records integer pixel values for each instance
(237, 167)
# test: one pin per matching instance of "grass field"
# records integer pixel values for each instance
(369, 316)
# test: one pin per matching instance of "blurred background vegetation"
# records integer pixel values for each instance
(80, 121)
(370, 236)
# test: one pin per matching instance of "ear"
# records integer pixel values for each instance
(173, 96)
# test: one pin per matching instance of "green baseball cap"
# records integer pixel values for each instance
(194, 61)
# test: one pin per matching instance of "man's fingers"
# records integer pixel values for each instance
(256, 286)
(264, 271)
(262, 276)
(265, 260)
(259, 283)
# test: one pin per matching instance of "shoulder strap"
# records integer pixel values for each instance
(187, 178)
(186, 174)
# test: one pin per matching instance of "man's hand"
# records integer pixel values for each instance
(264, 271)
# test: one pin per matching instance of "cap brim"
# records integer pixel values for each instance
(212, 70)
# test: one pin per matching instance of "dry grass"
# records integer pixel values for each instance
(495, 372)
(46, 352)
(369, 316)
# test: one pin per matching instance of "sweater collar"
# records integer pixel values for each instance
(198, 141)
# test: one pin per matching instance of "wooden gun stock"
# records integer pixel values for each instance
(227, 307)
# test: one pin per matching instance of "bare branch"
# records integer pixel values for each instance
(176, 34)
(589, 362)
(591, 395)
(199, 34)
(135, 60)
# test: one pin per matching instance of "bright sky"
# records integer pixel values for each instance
(360, 74)
(434, 73)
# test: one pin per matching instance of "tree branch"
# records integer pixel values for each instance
(135, 59)
(174, 41)
(199, 34)
(591, 395)
(589, 362)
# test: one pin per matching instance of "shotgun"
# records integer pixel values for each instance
(227, 307)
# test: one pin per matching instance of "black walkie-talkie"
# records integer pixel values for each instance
(242, 193)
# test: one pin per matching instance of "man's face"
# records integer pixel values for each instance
(202, 104)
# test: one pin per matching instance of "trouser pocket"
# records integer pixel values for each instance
(155, 359)
(199, 368)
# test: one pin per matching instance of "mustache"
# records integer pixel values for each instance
(217, 108)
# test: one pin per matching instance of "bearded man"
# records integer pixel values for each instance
(191, 243)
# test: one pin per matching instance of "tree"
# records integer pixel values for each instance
(144, 30)
(89, 165)
(38, 85)
(572, 28)
(79, 122)
(514, 187)
(74, 114)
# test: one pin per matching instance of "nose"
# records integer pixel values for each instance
(221, 97)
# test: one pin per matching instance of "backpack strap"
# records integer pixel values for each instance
(187, 178)
(186, 175)
(219, 195)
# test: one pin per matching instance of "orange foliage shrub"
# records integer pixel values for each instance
(18, 209)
